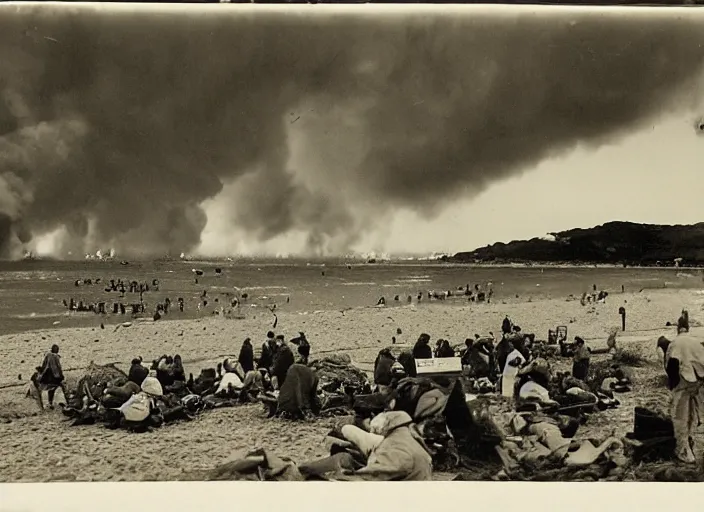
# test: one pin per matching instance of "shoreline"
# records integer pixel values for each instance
(333, 262)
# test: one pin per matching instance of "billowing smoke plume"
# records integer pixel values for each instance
(116, 126)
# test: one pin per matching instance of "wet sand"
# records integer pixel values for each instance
(43, 447)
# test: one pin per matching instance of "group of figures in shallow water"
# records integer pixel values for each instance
(405, 425)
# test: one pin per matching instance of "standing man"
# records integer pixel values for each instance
(622, 312)
(685, 373)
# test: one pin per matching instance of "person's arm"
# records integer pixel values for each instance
(59, 368)
(45, 365)
(673, 372)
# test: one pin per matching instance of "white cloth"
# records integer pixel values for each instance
(152, 386)
(229, 379)
(532, 389)
(136, 408)
(510, 373)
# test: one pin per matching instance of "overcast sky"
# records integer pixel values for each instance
(654, 176)
(226, 130)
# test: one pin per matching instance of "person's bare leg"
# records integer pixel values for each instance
(64, 392)
(51, 394)
(38, 396)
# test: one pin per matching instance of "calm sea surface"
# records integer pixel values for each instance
(31, 292)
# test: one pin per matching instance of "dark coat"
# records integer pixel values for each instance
(246, 357)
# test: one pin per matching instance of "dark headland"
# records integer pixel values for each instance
(614, 243)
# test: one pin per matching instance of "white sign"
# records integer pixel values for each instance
(439, 365)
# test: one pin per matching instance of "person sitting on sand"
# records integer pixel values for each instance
(138, 372)
(178, 374)
(51, 375)
(408, 362)
(266, 358)
(422, 350)
(444, 349)
(246, 357)
(303, 348)
(382, 370)
(466, 352)
(298, 396)
(685, 372)
(506, 325)
(163, 371)
(580, 365)
(283, 360)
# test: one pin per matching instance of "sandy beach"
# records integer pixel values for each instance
(43, 447)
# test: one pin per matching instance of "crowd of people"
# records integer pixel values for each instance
(281, 375)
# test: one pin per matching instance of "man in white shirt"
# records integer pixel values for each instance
(685, 372)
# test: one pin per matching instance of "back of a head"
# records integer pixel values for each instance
(270, 334)
(55, 349)
(424, 338)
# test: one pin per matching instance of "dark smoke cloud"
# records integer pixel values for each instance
(118, 126)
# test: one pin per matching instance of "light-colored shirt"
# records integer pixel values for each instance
(689, 351)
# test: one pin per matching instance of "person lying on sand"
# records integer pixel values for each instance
(394, 451)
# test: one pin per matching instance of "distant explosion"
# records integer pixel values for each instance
(116, 127)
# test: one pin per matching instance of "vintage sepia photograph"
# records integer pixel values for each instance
(351, 243)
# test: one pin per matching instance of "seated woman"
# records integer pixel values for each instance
(177, 372)
(382, 370)
(246, 356)
(444, 349)
(422, 350)
(163, 371)
(298, 396)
